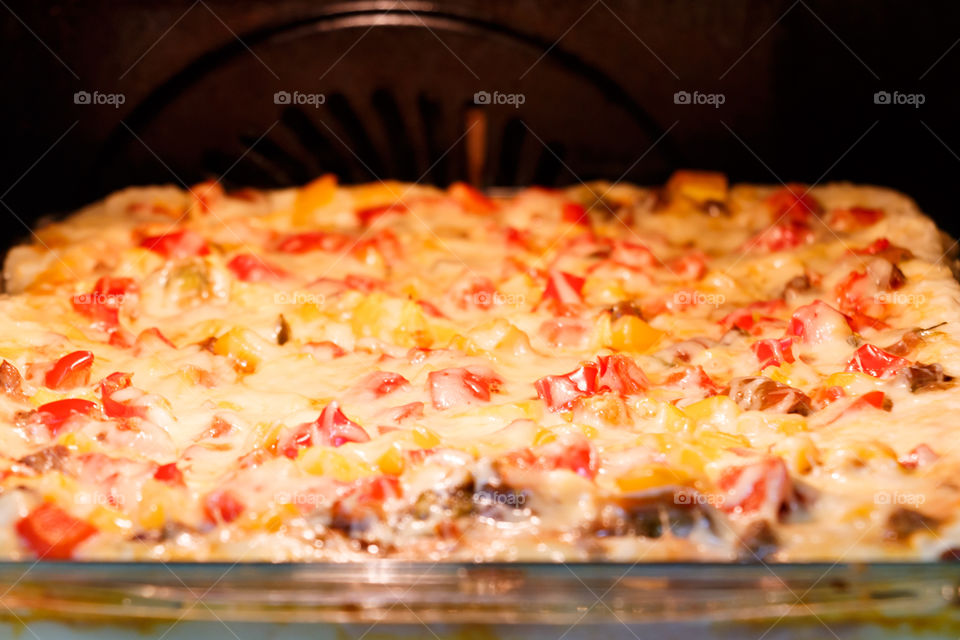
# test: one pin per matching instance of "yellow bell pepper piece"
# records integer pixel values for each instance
(413, 330)
(719, 411)
(242, 346)
(377, 194)
(272, 519)
(324, 461)
(110, 520)
(425, 438)
(653, 476)
(672, 418)
(311, 197)
(544, 436)
(699, 186)
(719, 440)
(852, 382)
(391, 461)
(627, 333)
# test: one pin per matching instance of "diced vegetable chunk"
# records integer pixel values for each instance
(462, 386)
(876, 362)
(52, 533)
(761, 488)
(72, 370)
(55, 414)
(177, 244)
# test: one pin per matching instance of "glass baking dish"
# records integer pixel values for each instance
(397, 598)
(379, 599)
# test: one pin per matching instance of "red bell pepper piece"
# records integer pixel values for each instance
(72, 370)
(52, 533)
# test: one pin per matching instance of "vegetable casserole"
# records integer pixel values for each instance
(604, 372)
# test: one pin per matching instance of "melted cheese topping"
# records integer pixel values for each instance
(605, 372)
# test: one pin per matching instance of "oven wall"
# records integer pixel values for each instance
(797, 80)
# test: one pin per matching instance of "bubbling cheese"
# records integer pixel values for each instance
(601, 372)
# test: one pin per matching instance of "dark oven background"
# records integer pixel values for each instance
(99, 95)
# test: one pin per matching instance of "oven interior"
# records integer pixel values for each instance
(402, 85)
